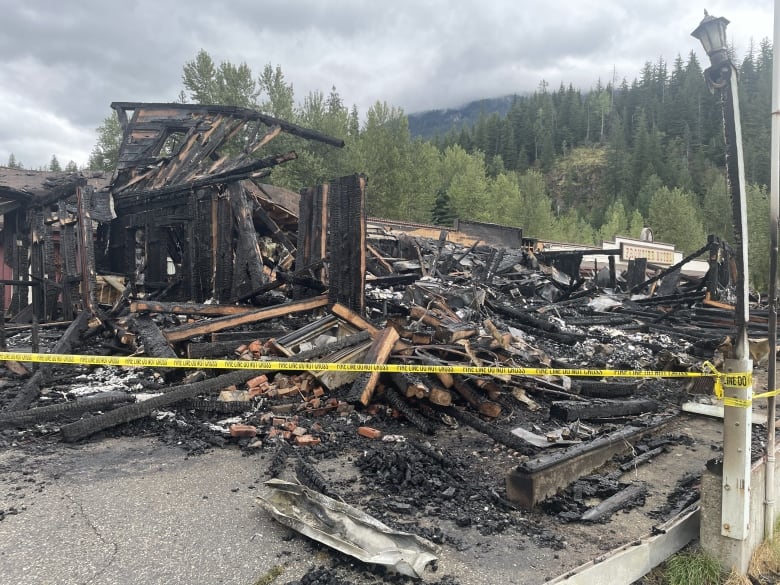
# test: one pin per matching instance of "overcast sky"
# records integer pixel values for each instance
(63, 63)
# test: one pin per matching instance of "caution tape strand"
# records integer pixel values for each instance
(739, 380)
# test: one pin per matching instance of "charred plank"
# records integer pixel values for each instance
(191, 330)
(569, 410)
(84, 428)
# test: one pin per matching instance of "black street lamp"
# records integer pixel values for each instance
(712, 34)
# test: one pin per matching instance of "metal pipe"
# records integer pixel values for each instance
(774, 206)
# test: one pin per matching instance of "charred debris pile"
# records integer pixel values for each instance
(185, 252)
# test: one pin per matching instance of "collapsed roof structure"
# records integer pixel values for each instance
(204, 259)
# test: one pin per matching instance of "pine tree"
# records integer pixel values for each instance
(105, 153)
(54, 164)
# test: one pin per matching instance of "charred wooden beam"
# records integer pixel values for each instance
(191, 330)
(282, 278)
(363, 388)
(183, 112)
(535, 326)
(614, 503)
(639, 286)
(65, 344)
(347, 242)
(398, 403)
(99, 402)
(568, 410)
(311, 249)
(86, 247)
(249, 258)
(155, 344)
(144, 306)
(642, 459)
(446, 330)
(536, 479)
(496, 433)
(479, 403)
(416, 387)
(84, 428)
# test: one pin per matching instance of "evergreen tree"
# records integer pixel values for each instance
(616, 222)
(443, 214)
(674, 218)
(105, 153)
(758, 237)
(226, 84)
(54, 164)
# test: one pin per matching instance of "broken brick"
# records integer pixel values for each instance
(369, 432)
(257, 381)
(239, 430)
(307, 440)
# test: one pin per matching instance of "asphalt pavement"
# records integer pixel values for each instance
(134, 511)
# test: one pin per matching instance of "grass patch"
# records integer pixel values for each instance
(765, 562)
(270, 576)
(693, 568)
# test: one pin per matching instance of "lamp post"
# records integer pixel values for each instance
(722, 77)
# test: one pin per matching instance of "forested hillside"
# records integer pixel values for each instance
(569, 164)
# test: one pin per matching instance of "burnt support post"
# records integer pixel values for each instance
(347, 242)
(735, 509)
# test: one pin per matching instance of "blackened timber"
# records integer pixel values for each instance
(568, 410)
(86, 247)
(65, 344)
(614, 503)
(395, 400)
(393, 280)
(347, 242)
(311, 249)
(191, 110)
(155, 344)
(536, 479)
(354, 319)
(84, 428)
(379, 352)
(480, 404)
(69, 266)
(249, 259)
(642, 459)
(251, 169)
(637, 287)
(37, 270)
(218, 258)
(535, 326)
(637, 273)
(496, 433)
(281, 279)
(99, 402)
(144, 306)
(220, 324)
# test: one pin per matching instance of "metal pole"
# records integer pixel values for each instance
(737, 421)
(774, 206)
(737, 389)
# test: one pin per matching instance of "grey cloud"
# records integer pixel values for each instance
(66, 61)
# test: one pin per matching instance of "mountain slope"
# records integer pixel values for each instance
(438, 122)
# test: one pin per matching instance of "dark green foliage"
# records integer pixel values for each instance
(563, 164)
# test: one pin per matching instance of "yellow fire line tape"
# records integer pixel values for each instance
(731, 380)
